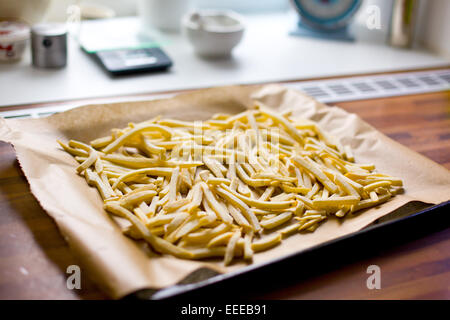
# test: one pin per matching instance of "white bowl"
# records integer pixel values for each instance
(29, 11)
(213, 33)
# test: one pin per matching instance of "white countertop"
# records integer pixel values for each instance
(267, 53)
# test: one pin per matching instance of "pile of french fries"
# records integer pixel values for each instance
(229, 186)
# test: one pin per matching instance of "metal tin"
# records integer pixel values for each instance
(402, 23)
(49, 45)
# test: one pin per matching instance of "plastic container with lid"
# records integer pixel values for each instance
(13, 40)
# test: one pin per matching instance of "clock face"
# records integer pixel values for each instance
(326, 9)
(326, 13)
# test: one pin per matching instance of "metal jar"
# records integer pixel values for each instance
(49, 45)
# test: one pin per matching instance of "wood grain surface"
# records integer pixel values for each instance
(34, 256)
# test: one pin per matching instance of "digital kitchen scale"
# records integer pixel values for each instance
(127, 61)
(326, 19)
(120, 48)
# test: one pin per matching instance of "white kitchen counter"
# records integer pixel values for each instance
(267, 53)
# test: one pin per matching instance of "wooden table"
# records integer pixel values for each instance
(34, 256)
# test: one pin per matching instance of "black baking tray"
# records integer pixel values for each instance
(411, 221)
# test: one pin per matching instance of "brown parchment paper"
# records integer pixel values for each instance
(120, 265)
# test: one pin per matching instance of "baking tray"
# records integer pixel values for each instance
(410, 221)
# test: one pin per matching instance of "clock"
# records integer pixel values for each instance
(325, 18)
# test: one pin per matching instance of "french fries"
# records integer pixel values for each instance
(227, 187)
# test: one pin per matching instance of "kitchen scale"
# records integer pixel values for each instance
(325, 19)
(120, 48)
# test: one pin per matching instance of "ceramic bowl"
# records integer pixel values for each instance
(213, 33)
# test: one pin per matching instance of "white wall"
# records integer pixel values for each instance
(434, 32)
(57, 10)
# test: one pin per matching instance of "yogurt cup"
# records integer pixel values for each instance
(13, 40)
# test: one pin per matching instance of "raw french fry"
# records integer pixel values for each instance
(133, 198)
(246, 211)
(261, 204)
(310, 223)
(139, 162)
(342, 212)
(298, 211)
(194, 190)
(92, 178)
(221, 211)
(175, 205)
(205, 235)
(375, 185)
(277, 221)
(203, 253)
(290, 229)
(157, 243)
(73, 151)
(191, 224)
(220, 239)
(165, 131)
(238, 217)
(161, 220)
(266, 242)
(176, 222)
(197, 198)
(248, 251)
(173, 184)
(315, 170)
(267, 193)
(335, 202)
(231, 247)
(146, 171)
(91, 160)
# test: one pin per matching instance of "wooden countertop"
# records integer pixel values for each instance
(34, 256)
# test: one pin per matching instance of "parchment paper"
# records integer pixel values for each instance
(120, 265)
